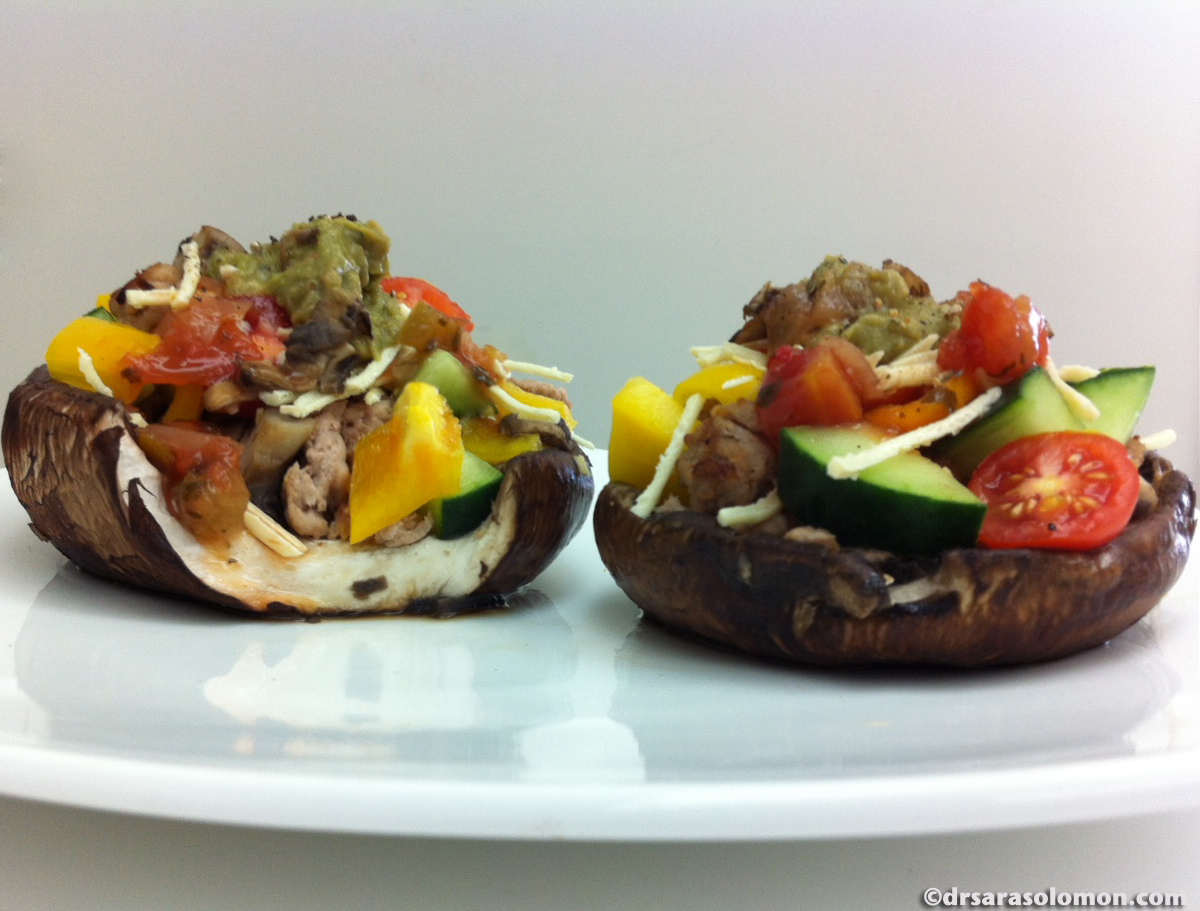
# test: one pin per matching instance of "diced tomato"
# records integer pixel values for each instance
(1000, 338)
(825, 384)
(485, 359)
(1068, 490)
(415, 290)
(265, 316)
(207, 340)
(202, 476)
(856, 368)
(266, 319)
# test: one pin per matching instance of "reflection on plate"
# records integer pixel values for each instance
(565, 715)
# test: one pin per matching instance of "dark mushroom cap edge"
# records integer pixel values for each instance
(808, 604)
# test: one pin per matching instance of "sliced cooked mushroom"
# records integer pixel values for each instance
(209, 240)
(811, 604)
(271, 446)
(90, 491)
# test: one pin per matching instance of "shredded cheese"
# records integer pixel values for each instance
(370, 374)
(533, 412)
(191, 275)
(918, 370)
(155, 297)
(851, 464)
(1079, 403)
(759, 511)
(178, 297)
(707, 355)
(276, 398)
(738, 381)
(920, 353)
(88, 368)
(271, 533)
(1160, 440)
(924, 346)
(648, 499)
(549, 373)
(1077, 373)
(360, 383)
(308, 403)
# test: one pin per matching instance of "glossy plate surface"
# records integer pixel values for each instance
(564, 717)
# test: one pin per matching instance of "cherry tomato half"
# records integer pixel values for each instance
(1000, 337)
(1068, 490)
(415, 290)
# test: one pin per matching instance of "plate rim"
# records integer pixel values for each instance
(824, 808)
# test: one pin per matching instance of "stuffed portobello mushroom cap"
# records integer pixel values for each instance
(814, 604)
(90, 491)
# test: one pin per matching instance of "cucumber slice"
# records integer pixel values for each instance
(1031, 405)
(454, 381)
(1120, 393)
(462, 513)
(908, 504)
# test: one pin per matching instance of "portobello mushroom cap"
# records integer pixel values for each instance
(812, 604)
(90, 491)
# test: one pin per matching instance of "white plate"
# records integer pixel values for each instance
(566, 717)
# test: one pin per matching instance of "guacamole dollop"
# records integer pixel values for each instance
(326, 269)
(895, 318)
(896, 328)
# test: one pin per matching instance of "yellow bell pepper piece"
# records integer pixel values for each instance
(412, 459)
(726, 382)
(644, 419)
(533, 400)
(482, 437)
(187, 404)
(106, 343)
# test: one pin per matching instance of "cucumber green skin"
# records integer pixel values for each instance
(1031, 405)
(1120, 393)
(462, 513)
(906, 505)
(454, 381)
